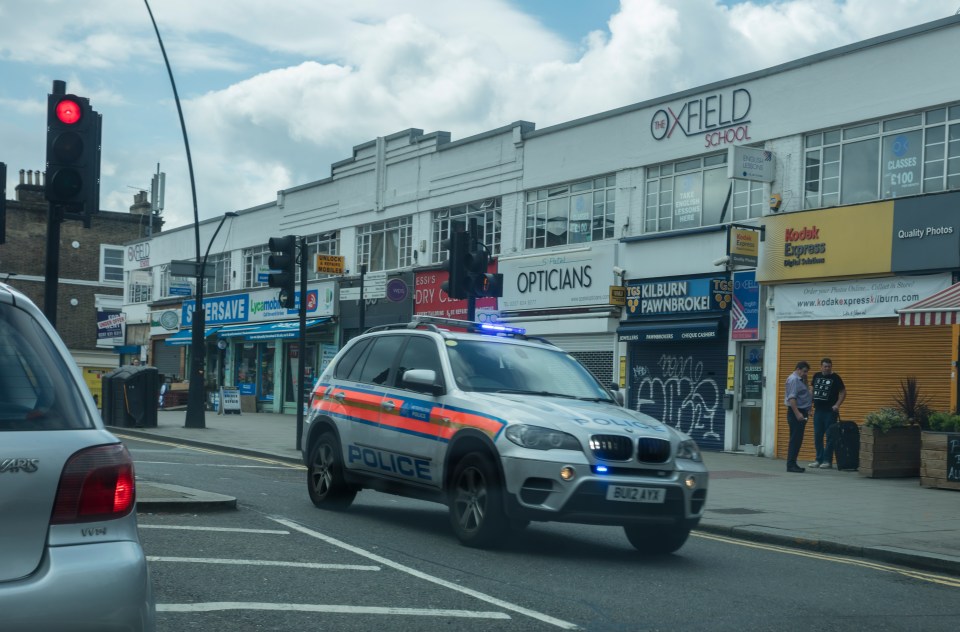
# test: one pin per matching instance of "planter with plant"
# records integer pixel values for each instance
(890, 437)
(933, 450)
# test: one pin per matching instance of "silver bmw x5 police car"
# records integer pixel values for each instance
(503, 429)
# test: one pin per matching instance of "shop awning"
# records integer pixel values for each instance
(272, 331)
(673, 331)
(235, 331)
(938, 309)
(185, 336)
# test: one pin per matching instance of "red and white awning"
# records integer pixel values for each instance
(941, 308)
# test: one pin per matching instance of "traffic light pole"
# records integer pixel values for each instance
(301, 356)
(51, 276)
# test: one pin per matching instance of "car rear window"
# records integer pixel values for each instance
(38, 390)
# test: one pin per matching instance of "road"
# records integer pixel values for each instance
(278, 563)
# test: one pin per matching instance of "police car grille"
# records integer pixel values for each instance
(611, 447)
(651, 450)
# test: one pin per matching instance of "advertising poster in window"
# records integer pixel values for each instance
(580, 210)
(688, 202)
(901, 164)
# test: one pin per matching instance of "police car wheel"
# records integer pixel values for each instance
(325, 481)
(656, 540)
(476, 502)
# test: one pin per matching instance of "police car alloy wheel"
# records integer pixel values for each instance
(476, 503)
(325, 481)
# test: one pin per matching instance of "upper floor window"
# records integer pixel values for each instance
(255, 262)
(386, 245)
(446, 220)
(217, 277)
(571, 214)
(171, 285)
(906, 155)
(696, 192)
(111, 264)
(321, 244)
(140, 286)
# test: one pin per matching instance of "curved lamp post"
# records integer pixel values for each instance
(196, 404)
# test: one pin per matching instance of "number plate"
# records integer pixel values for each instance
(625, 494)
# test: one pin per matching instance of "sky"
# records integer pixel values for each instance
(273, 93)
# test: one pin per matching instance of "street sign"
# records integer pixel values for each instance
(329, 264)
(350, 294)
(181, 289)
(189, 269)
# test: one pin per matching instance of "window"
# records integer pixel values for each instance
(488, 215)
(140, 288)
(693, 193)
(420, 353)
(386, 245)
(571, 213)
(321, 244)
(111, 264)
(904, 155)
(217, 277)
(255, 262)
(349, 360)
(379, 361)
(175, 285)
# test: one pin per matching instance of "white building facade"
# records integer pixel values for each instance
(842, 157)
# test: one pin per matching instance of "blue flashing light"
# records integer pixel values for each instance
(601, 469)
(502, 329)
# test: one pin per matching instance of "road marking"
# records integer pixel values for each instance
(336, 609)
(233, 466)
(921, 575)
(226, 529)
(212, 560)
(566, 625)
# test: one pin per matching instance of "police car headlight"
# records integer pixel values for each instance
(688, 450)
(537, 438)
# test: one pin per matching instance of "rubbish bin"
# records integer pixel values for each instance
(130, 397)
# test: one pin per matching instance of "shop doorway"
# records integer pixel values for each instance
(749, 413)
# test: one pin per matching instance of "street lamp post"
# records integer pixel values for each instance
(196, 404)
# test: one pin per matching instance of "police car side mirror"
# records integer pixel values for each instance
(423, 380)
(617, 393)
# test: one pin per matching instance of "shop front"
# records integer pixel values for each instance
(564, 296)
(676, 337)
(892, 254)
(388, 299)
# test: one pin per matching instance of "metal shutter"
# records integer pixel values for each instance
(168, 359)
(681, 384)
(872, 355)
(596, 352)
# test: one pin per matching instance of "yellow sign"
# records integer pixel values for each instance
(744, 246)
(623, 372)
(329, 264)
(731, 365)
(834, 242)
(618, 295)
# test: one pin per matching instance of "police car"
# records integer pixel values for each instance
(502, 428)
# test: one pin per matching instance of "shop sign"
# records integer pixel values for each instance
(836, 242)
(219, 310)
(745, 311)
(750, 163)
(566, 278)
(861, 298)
(139, 253)
(743, 245)
(926, 233)
(721, 117)
(430, 300)
(680, 296)
(169, 320)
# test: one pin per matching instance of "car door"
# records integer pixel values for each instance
(409, 419)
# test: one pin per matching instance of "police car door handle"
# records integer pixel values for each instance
(339, 396)
(388, 404)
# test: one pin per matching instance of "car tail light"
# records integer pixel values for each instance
(96, 484)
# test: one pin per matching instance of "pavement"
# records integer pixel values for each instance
(892, 520)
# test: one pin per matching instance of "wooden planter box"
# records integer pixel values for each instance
(933, 460)
(891, 454)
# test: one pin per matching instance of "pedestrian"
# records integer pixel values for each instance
(828, 394)
(797, 400)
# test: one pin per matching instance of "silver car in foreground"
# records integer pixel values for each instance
(70, 555)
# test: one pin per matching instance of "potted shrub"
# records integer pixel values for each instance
(889, 445)
(933, 450)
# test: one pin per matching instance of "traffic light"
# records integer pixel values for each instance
(283, 268)
(481, 283)
(458, 249)
(73, 154)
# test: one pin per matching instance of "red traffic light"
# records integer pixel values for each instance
(68, 111)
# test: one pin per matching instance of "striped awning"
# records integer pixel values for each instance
(941, 308)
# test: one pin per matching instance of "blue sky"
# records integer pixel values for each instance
(273, 94)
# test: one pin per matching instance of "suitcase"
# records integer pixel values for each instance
(844, 436)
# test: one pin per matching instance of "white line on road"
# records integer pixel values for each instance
(225, 529)
(213, 560)
(225, 465)
(304, 607)
(430, 578)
